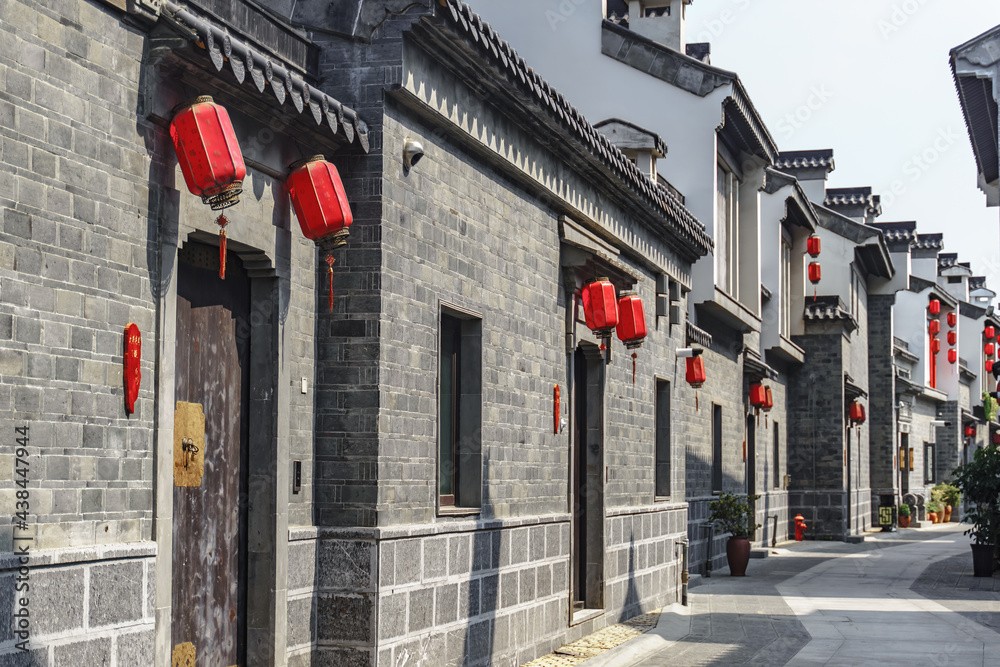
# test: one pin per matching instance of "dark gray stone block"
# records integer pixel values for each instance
(345, 565)
(421, 609)
(116, 592)
(301, 622)
(344, 618)
(135, 648)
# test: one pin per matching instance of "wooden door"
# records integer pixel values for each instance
(579, 587)
(209, 517)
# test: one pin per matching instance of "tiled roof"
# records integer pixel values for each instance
(266, 71)
(976, 95)
(618, 12)
(947, 260)
(657, 142)
(695, 336)
(829, 308)
(792, 160)
(498, 52)
(699, 51)
(930, 242)
(897, 232)
(977, 282)
(853, 197)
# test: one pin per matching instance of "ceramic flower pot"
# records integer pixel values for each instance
(932, 517)
(947, 513)
(904, 522)
(738, 555)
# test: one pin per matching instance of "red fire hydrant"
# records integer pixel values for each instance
(800, 527)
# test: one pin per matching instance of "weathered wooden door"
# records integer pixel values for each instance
(208, 624)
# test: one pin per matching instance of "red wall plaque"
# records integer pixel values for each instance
(133, 365)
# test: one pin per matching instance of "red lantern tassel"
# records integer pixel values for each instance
(329, 270)
(634, 355)
(222, 221)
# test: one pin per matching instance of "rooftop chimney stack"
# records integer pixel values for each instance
(660, 20)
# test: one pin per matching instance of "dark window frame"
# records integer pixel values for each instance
(929, 462)
(717, 476)
(776, 454)
(662, 441)
(459, 402)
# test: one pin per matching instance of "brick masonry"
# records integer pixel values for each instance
(90, 207)
(460, 229)
(470, 592)
(75, 268)
(94, 607)
(882, 404)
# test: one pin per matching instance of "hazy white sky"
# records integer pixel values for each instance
(870, 79)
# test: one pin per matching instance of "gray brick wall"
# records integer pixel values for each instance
(77, 265)
(922, 433)
(91, 607)
(882, 391)
(817, 414)
(455, 230)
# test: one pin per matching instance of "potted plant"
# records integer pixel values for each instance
(953, 498)
(904, 515)
(979, 481)
(734, 514)
(949, 496)
(934, 511)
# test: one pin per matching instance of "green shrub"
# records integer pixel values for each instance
(979, 480)
(733, 514)
(949, 494)
(904, 510)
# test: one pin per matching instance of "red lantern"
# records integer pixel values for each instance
(990, 333)
(934, 327)
(952, 338)
(952, 320)
(996, 438)
(210, 159)
(989, 366)
(813, 246)
(970, 431)
(990, 349)
(631, 320)
(857, 413)
(935, 345)
(133, 366)
(768, 399)
(631, 324)
(696, 371)
(758, 395)
(934, 306)
(321, 206)
(815, 272)
(600, 307)
(952, 356)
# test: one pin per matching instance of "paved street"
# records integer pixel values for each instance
(903, 599)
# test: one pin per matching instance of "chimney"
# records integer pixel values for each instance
(701, 51)
(856, 203)
(660, 20)
(810, 168)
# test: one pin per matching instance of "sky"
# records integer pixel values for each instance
(872, 80)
